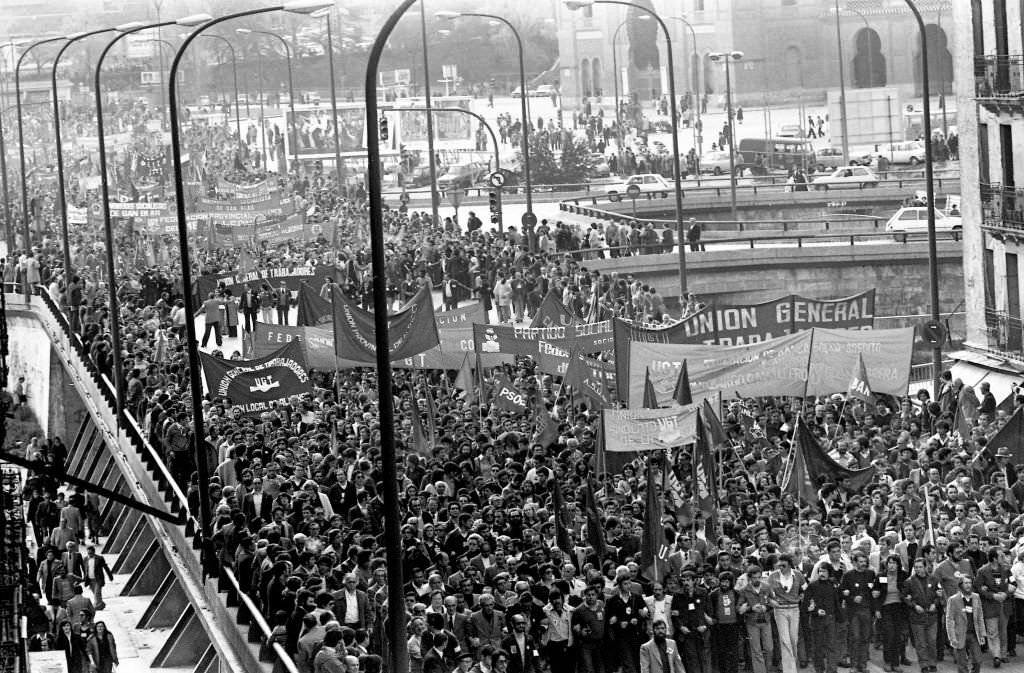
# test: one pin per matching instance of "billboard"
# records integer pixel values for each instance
(315, 137)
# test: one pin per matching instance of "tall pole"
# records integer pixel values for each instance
(618, 107)
(677, 172)
(291, 93)
(942, 80)
(842, 89)
(732, 137)
(195, 383)
(8, 224)
(62, 205)
(435, 198)
(929, 185)
(21, 150)
(108, 227)
(263, 126)
(234, 80)
(338, 166)
(385, 399)
(698, 128)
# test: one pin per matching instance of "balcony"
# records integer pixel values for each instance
(1004, 336)
(999, 82)
(1002, 211)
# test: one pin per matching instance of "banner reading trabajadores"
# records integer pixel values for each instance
(255, 386)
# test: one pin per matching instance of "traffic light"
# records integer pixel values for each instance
(383, 128)
(494, 201)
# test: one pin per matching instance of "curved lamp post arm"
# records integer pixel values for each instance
(291, 91)
(234, 79)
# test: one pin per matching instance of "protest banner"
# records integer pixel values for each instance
(291, 276)
(637, 430)
(412, 330)
(532, 341)
(255, 386)
(783, 366)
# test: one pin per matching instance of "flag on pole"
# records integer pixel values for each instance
(562, 538)
(419, 439)
(545, 429)
(595, 531)
(714, 431)
(431, 413)
(859, 388)
(650, 397)
(811, 464)
(654, 531)
(464, 380)
(1011, 436)
(704, 472)
(682, 394)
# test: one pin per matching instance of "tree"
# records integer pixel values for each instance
(575, 161)
(570, 167)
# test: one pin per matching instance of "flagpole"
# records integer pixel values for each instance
(799, 518)
(842, 411)
(650, 484)
(928, 511)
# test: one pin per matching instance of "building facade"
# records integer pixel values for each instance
(990, 107)
(789, 48)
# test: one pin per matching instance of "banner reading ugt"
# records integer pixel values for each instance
(255, 386)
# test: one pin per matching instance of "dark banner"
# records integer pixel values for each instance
(412, 330)
(747, 324)
(291, 276)
(507, 397)
(313, 309)
(533, 341)
(255, 386)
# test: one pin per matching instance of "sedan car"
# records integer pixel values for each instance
(914, 220)
(599, 167)
(847, 176)
(715, 162)
(645, 183)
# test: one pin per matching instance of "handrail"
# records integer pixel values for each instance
(587, 254)
(256, 619)
(132, 428)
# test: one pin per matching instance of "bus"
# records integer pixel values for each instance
(762, 155)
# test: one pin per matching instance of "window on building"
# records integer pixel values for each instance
(588, 12)
(698, 5)
(983, 154)
(1006, 154)
(1013, 341)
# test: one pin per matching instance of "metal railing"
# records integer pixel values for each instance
(259, 631)
(925, 372)
(999, 76)
(1002, 207)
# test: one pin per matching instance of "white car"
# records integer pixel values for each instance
(716, 162)
(911, 152)
(847, 176)
(645, 183)
(914, 220)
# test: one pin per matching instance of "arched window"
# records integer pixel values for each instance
(869, 61)
(940, 61)
(586, 83)
(595, 78)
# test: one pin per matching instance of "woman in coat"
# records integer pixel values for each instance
(74, 647)
(102, 650)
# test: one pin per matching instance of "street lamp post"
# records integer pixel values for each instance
(929, 185)
(619, 138)
(21, 147)
(234, 79)
(338, 166)
(842, 90)
(529, 218)
(8, 224)
(291, 87)
(727, 57)
(579, 4)
(435, 197)
(108, 228)
(195, 382)
(62, 204)
(698, 129)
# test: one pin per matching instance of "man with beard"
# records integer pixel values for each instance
(659, 654)
(949, 573)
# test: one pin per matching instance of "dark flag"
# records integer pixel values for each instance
(412, 330)
(651, 563)
(464, 380)
(595, 531)
(507, 397)
(255, 386)
(650, 397)
(562, 538)
(1011, 436)
(545, 430)
(682, 394)
(713, 428)
(552, 312)
(704, 481)
(420, 444)
(586, 377)
(859, 388)
(812, 465)
(314, 310)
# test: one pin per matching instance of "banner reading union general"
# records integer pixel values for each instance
(255, 386)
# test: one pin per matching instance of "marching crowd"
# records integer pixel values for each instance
(924, 565)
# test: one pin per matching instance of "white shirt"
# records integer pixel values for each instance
(660, 610)
(351, 607)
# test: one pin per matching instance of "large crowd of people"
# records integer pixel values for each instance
(926, 562)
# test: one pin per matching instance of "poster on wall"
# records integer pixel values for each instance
(315, 137)
(447, 125)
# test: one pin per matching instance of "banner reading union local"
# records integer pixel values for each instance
(255, 386)
(816, 362)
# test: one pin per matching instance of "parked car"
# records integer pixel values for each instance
(915, 220)
(791, 131)
(910, 152)
(461, 175)
(645, 183)
(546, 91)
(830, 158)
(847, 176)
(716, 162)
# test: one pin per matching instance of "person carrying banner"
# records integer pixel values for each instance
(211, 308)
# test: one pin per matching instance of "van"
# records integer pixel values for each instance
(759, 155)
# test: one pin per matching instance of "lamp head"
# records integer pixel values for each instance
(307, 7)
(573, 5)
(321, 13)
(131, 25)
(194, 20)
(736, 55)
(243, 31)
(447, 15)
(715, 56)
(74, 36)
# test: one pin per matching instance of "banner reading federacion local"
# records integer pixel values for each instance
(632, 430)
(749, 323)
(412, 330)
(784, 366)
(586, 337)
(317, 343)
(254, 386)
